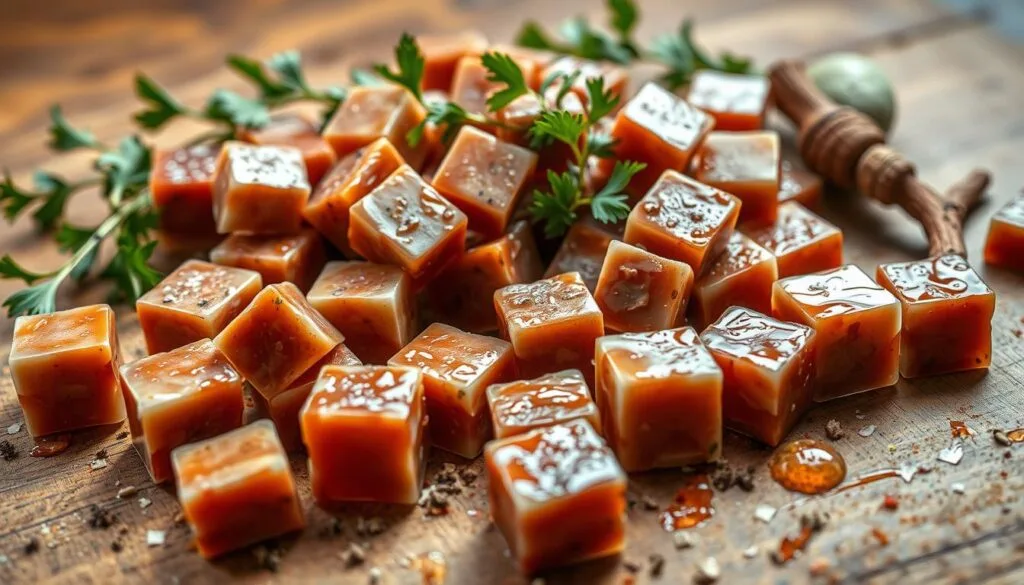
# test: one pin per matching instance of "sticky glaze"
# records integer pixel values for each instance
(835, 292)
(544, 301)
(945, 277)
(752, 336)
(276, 167)
(684, 209)
(517, 407)
(659, 355)
(78, 328)
(667, 116)
(365, 389)
(720, 92)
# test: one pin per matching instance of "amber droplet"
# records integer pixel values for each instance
(691, 507)
(807, 466)
(432, 567)
(51, 445)
(1015, 436)
(959, 429)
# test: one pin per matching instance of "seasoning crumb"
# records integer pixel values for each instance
(866, 430)
(126, 492)
(657, 563)
(708, 571)
(101, 519)
(648, 503)
(468, 475)
(834, 430)
(14, 429)
(890, 502)
(631, 566)
(353, 556)
(745, 479)
(145, 503)
(880, 536)
(1000, 437)
(684, 539)
(97, 464)
(101, 454)
(122, 435)
(32, 546)
(156, 537)
(750, 552)
(369, 526)
(332, 529)
(374, 575)
(819, 566)
(267, 558)
(765, 513)
(958, 488)
(436, 503)
(7, 451)
(179, 518)
(116, 546)
(858, 415)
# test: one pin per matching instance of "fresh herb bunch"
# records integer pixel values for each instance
(557, 207)
(121, 173)
(677, 52)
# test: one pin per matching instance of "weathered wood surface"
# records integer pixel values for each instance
(959, 89)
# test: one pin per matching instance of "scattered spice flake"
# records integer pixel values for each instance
(468, 475)
(14, 429)
(631, 566)
(750, 552)
(32, 546)
(657, 563)
(353, 556)
(834, 430)
(101, 454)
(432, 567)
(1016, 435)
(145, 503)
(890, 502)
(7, 451)
(790, 547)
(126, 492)
(765, 513)
(858, 415)
(958, 488)
(97, 464)
(866, 430)
(375, 575)
(952, 454)
(116, 546)
(436, 503)
(959, 430)
(708, 571)
(100, 519)
(369, 526)
(999, 436)
(155, 537)
(683, 539)
(724, 477)
(268, 558)
(880, 536)
(122, 435)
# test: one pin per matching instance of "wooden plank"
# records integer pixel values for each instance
(936, 535)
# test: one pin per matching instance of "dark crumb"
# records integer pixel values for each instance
(468, 475)
(631, 566)
(722, 478)
(101, 519)
(437, 503)
(268, 558)
(648, 503)
(745, 479)
(447, 475)
(101, 454)
(353, 556)
(116, 546)
(332, 529)
(7, 451)
(32, 546)
(369, 526)
(122, 435)
(833, 430)
(657, 562)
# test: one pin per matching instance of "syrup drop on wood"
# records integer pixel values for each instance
(1015, 436)
(807, 466)
(959, 429)
(692, 505)
(51, 445)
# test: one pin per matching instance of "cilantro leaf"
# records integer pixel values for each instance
(591, 43)
(228, 106)
(34, 300)
(600, 144)
(683, 57)
(55, 192)
(532, 36)
(288, 67)
(610, 203)
(11, 269)
(556, 208)
(126, 168)
(624, 16)
(558, 125)
(64, 137)
(411, 64)
(253, 71)
(447, 115)
(502, 69)
(13, 199)
(161, 106)
(601, 102)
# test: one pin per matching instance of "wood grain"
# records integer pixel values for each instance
(959, 89)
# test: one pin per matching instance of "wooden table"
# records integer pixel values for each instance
(960, 92)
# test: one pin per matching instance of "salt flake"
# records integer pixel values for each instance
(97, 464)
(145, 502)
(750, 552)
(952, 454)
(765, 513)
(958, 488)
(14, 429)
(866, 431)
(155, 537)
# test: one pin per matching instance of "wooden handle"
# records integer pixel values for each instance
(847, 148)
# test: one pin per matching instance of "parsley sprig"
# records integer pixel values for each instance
(677, 52)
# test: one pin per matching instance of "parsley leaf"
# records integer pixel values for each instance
(502, 69)
(130, 270)
(624, 16)
(232, 108)
(601, 144)
(532, 36)
(161, 106)
(610, 204)
(601, 102)
(34, 300)
(558, 125)
(252, 70)
(447, 115)
(126, 168)
(411, 64)
(683, 57)
(13, 199)
(70, 239)
(64, 137)
(556, 207)
(55, 191)
(11, 269)
(288, 67)
(364, 78)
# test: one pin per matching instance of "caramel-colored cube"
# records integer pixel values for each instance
(639, 291)
(441, 53)
(801, 241)
(796, 184)
(683, 220)
(463, 295)
(743, 275)
(355, 175)
(195, 301)
(292, 129)
(658, 128)
(946, 313)
(457, 369)
(178, 397)
(552, 324)
(181, 184)
(737, 102)
(371, 304)
(259, 189)
(524, 405)
(369, 113)
(405, 222)
(1004, 245)
(471, 86)
(769, 370)
(237, 489)
(583, 250)
(557, 495)
(364, 429)
(277, 338)
(660, 398)
(64, 367)
(297, 258)
(616, 78)
(744, 164)
(857, 324)
(484, 177)
(284, 408)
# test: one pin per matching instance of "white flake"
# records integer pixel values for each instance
(97, 464)
(750, 552)
(155, 537)
(14, 429)
(958, 488)
(708, 571)
(952, 454)
(866, 431)
(765, 513)
(145, 502)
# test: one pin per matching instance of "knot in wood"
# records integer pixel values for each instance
(833, 143)
(881, 172)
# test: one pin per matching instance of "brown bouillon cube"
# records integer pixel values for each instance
(583, 250)
(292, 129)
(737, 102)
(744, 164)
(259, 189)
(639, 291)
(524, 405)
(296, 258)
(743, 275)
(801, 241)
(384, 111)
(181, 184)
(1004, 244)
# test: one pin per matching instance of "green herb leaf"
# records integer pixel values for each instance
(601, 102)
(228, 106)
(683, 57)
(253, 71)
(532, 36)
(624, 16)
(411, 64)
(64, 137)
(127, 168)
(288, 66)
(161, 106)
(55, 193)
(13, 199)
(447, 115)
(558, 125)
(130, 270)
(40, 299)
(590, 43)
(556, 207)
(610, 203)
(600, 144)
(70, 239)
(11, 269)
(364, 78)
(502, 69)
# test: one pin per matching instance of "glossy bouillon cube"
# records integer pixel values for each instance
(297, 130)
(639, 291)
(181, 183)
(744, 164)
(296, 258)
(524, 405)
(737, 102)
(1004, 245)
(743, 275)
(801, 241)
(259, 189)
(369, 113)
